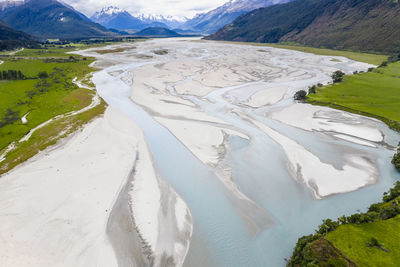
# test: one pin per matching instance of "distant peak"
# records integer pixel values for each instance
(110, 10)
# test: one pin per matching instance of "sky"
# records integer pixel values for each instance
(178, 8)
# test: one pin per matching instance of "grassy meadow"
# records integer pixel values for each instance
(352, 240)
(42, 97)
(375, 94)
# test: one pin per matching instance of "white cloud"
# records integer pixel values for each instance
(178, 8)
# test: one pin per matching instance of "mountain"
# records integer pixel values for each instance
(12, 39)
(116, 18)
(215, 19)
(169, 21)
(364, 25)
(113, 17)
(7, 4)
(51, 19)
(157, 32)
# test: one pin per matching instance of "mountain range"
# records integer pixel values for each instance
(209, 22)
(116, 18)
(363, 25)
(215, 19)
(50, 19)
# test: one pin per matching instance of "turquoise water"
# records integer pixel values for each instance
(220, 237)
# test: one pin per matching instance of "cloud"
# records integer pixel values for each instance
(180, 8)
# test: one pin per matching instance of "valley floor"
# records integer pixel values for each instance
(201, 159)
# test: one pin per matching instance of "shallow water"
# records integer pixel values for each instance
(220, 237)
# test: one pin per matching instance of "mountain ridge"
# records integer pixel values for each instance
(213, 20)
(114, 17)
(369, 25)
(13, 39)
(51, 19)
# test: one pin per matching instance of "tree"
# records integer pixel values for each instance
(312, 89)
(300, 95)
(43, 75)
(396, 159)
(327, 226)
(337, 76)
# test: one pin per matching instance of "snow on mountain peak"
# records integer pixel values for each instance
(111, 10)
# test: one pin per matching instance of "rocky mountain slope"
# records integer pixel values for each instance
(365, 25)
(213, 20)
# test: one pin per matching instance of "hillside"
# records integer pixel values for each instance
(51, 19)
(211, 21)
(12, 39)
(157, 32)
(365, 25)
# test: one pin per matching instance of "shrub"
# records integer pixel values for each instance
(312, 89)
(337, 76)
(383, 64)
(9, 117)
(43, 75)
(327, 226)
(396, 159)
(300, 95)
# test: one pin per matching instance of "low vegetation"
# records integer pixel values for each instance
(396, 159)
(300, 95)
(375, 93)
(45, 90)
(364, 239)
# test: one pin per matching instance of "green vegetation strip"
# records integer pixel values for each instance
(354, 240)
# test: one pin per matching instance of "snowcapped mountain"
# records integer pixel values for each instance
(215, 19)
(9, 4)
(116, 18)
(171, 21)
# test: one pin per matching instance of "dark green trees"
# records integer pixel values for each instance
(300, 95)
(11, 75)
(337, 76)
(396, 159)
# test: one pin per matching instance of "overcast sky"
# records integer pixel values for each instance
(179, 8)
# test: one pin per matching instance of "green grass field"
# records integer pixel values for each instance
(375, 94)
(42, 99)
(352, 240)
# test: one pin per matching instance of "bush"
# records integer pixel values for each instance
(383, 64)
(300, 95)
(369, 69)
(396, 159)
(327, 226)
(337, 76)
(43, 75)
(312, 89)
(9, 117)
